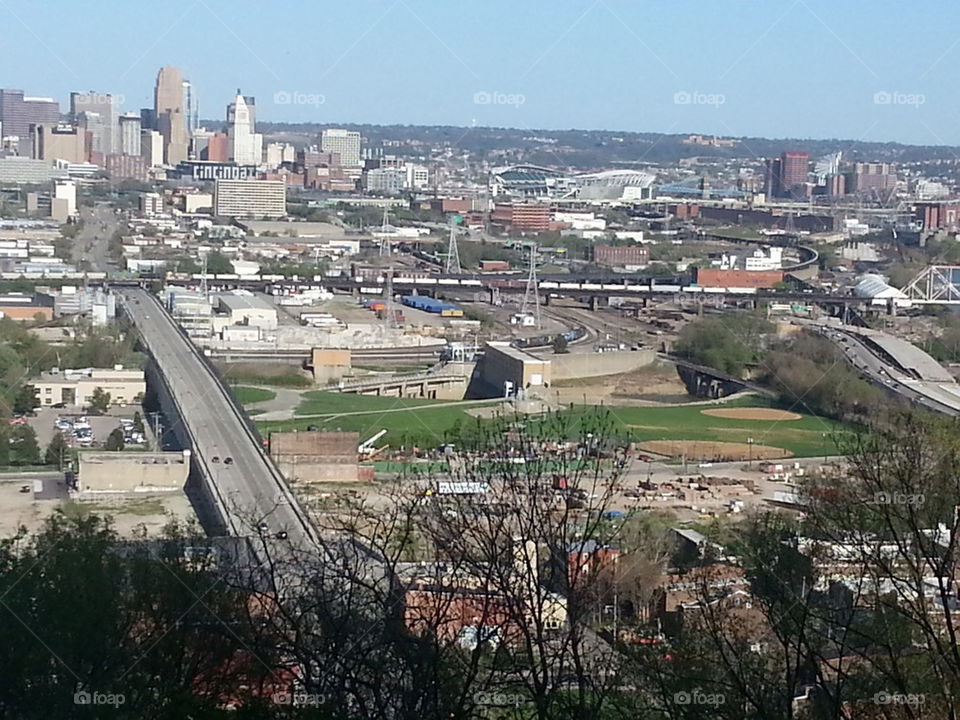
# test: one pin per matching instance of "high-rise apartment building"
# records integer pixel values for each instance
(105, 105)
(170, 115)
(130, 128)
(18, 113)
(250, 198)
(246, 146)
(344, 142)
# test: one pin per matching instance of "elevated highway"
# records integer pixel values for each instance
(244, 491)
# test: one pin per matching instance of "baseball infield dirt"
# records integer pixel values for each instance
(752, 414)
(714, 451)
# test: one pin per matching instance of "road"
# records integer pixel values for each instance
(93, 242)
(880, 373)
(248, 487)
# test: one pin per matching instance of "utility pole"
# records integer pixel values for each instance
(532, 294)
(453, 254)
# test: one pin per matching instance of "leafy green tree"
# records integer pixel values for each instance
(25, 400)
(138, 422)
(727, 343)
(560, 344)
(99, 400)
(58, 451)
(24, 449)
(187, 265)
(115, 440)
(219, 264)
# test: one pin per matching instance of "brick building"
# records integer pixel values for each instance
(711, 277)
(522, 217)
(316, 456)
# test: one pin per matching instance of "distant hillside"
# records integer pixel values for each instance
(587, 149)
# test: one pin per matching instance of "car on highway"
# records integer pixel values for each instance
(282, 535)
(228, 461)
(262, 526)
(215, 459)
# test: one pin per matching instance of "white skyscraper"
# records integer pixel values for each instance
(345, 142)
(246, 146)
(130, 127)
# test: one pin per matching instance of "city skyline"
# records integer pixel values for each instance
(595, 65)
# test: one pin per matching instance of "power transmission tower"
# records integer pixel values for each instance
(532, 294)
(453, 254)
(384, 238)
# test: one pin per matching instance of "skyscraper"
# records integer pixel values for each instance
(18, 113)
(105, 105)
(170, 115)
(246, 146)
(345, 142)
(130, 134)
(794, 168)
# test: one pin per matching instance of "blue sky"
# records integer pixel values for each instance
(849, 69)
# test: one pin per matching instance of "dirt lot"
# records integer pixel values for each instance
(150, 512)
(713, 450)
(752, 414)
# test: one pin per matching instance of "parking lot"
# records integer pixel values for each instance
(86, 431)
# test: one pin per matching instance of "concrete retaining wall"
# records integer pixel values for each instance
(581, 365)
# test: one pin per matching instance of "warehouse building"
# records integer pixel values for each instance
(509, 371)
(132, 472)
(244, 308)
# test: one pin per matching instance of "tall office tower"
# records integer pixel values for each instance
(92, 126)
(246, 146)
(151, 147)
(345, 142)
(771, 177)
(18, 113)
(251, 103)
(106, 107)
(794, 170)
(130, 128)
(170, 117)
(148, 119)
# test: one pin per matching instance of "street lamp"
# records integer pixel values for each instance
(750, 452)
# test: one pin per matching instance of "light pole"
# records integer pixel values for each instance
(750, 452)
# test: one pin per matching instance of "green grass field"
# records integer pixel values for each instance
(805, 437)
(320, 402)
(431, 422)
(247, 395)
